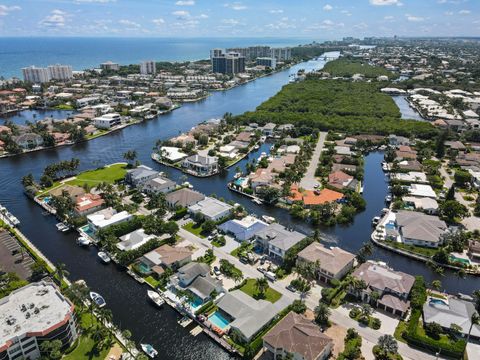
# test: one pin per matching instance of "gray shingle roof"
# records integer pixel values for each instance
(249, 315)
(279, 236)
(419, 226)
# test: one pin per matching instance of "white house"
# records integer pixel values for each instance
(107, 121)
(243, 229)
(107, 217)
(211, 209)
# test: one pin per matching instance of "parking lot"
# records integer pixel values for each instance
(13, 257)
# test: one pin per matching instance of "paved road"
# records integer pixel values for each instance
(309, 181)
(288, 297)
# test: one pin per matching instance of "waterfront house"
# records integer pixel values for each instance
(134, 240)
(395, 140)
(420, 229)
(427, 205)
(422, 190)
(159, 184)
(411, 177)
(29, 140)
(72, 191)
(243, 229)
(163, 257)
(276, 239)
(299, 337)
(410, 165)
(201, 165)
(140, 175)
(333, 263)
(35, 313)
(247, 315)
(474, 249)
(451, 310)
(195, 277)
(244, 136)
(88, 204)
(268, 129)
(183, 198)
(211, 209)
(340, 180)
(107, 121)
(392, 287)
(171, 154)
(313, 197)
(107, 217)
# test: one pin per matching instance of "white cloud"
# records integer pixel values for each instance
(203, 16)
(360, 26)
(56, 19)
(414, 18)
(388, 17)
(385, 2)
(231, 22)
(328, 7)
(4, 9)
(276, 11)
(346, 12)
(129, 24)
(448, 13)
(158, 21)
(464, 12)
(235, 6)
(181, 14)
(185, 3)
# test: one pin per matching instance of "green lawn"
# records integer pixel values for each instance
(108, 174)
(152, 281)
(413, 249)
(401, 327)
(195, 229)
(85, 348)
(270, 295)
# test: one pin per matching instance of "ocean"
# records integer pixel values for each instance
(82, 53)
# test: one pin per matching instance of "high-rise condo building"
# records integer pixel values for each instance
(231, 63)
(34, 74)
(148, 68)
(60, 72)
(109, 65)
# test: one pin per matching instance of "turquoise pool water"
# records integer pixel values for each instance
(390, 225)
(438, 301)
(460, 260)
(239, 181)
(218, 320)
(196, 303)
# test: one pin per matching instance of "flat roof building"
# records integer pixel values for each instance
(31, 315)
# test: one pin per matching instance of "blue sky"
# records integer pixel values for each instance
(316, 19)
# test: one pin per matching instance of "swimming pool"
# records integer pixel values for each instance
(239, 181)
(437, 301)
(218, 320)
(390, 225)
(460, 260)
(195, 303)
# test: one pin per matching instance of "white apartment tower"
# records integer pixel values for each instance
(33, 74)
(148, 68)
(60, 72)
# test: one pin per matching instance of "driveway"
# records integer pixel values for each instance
(337, 316)
(309, 181)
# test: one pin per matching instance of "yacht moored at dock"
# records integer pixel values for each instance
(98, 299)
(149, 350)
(155, 297)
(104, 257)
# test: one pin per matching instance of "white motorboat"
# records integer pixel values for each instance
(375, 220)
(388, 199)
(83, 241)
(155, 297)
(257, 201)
(268, 219)
(62, 227)
(149, 350)
(104, 257)
(385, 166)
(98, 299)
(256, 147)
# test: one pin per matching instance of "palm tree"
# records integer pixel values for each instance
(366, 310)
(475, 320)
(322, 313)
(436, 285)
(130, 156)
(237, 277)
(61, 272)
(261, 284)
(388, 344)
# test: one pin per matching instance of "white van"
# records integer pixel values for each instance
(270, 276)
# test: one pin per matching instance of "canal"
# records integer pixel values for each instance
(124, 296)
(406, 110)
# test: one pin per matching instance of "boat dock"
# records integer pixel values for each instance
(196, 330)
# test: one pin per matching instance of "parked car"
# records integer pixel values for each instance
(261, 269)
(244, 260)
(291, 288)
(216, 271)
